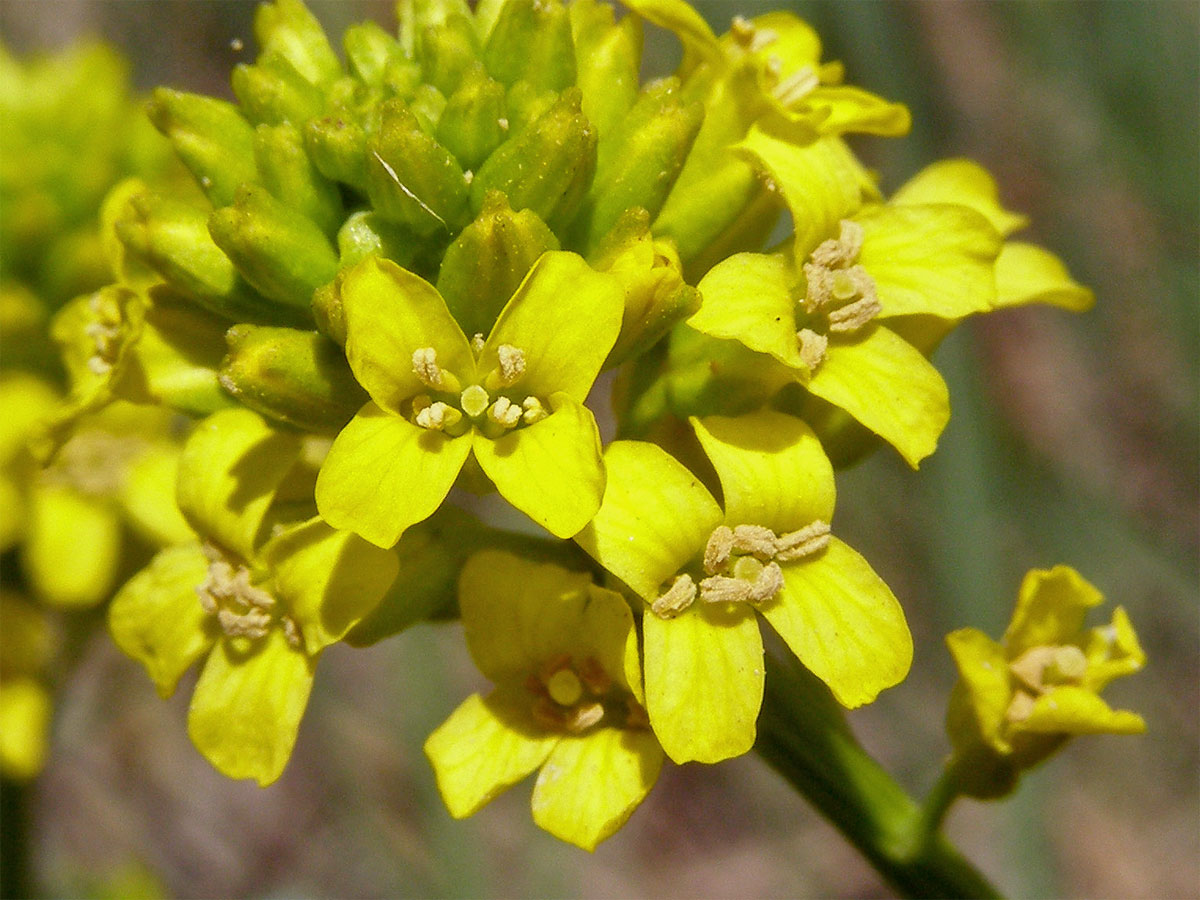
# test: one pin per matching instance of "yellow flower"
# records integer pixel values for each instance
(568, 700)
(1019, 700)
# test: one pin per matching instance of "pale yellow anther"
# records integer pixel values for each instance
(1039, 668)
(512, 363)
(505, 413)
(438, 416)
(718, 548)
(477, 342)
(853, 316)
(812, 347)
(1020, 707)
(752, 583)
(564, 687)
(841, 251)
(584, 717)
(533, 410)
(724, 589)
(810, 539)
(754, 539)
(291, 633)
(475, 400)
(425, 367)
(242, 609)
(793, 89)
(1069, 666)
(678, 597)
(742, 30)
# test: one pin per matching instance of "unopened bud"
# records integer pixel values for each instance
(474, 122)
(531, 41)
(287, 28)
(447, 51)
(338, 147)
(607, 61)
(288, 173)
(212, 138)
(272, 91)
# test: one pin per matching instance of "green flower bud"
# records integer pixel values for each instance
(212, 138)
(607, 61)
(290, 176)
(427, 104)
(337, 145)
(418, 17)
(547, 167)
(412, 179)
(638, 162)
(172, 238)
(287, 28)
(447, 51)
(488, 260)
(369, 51)
(279, 251)
(474, 122)
(272, 91)
(531, 41)
(298, 377)
(364, 233)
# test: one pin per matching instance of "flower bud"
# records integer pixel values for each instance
(212, 138)
(607, 62)
(639, 161)
(474, 122)
(272, 91)
(172, 238)
(292, 376)
(286, 28)
(546, 167)
(288, 174)
(531, 41)
(337, 146)
(364, 233)
(369, 51)
(411, 179)
(488, 260)
(279, 251)
(447, 51)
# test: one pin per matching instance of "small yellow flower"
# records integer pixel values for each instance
(1019, 700)
(568, 700)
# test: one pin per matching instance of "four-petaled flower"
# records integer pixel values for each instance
(704, 574)
(568, 699)
(1019, 700)
(261, 611)
(514, 399)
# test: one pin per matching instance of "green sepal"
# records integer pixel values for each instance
(337, 145)
(272, 92)
(282, 253)
(607, 61)
(370, 51)
(707, 376)
(247, 706)
(447, 51)
(489, 259)
(427, 103)
(172, 237)
(411, 178)
(638, 162)
(531, 41)
(475, 120)
(286, 28)
(157, 619)
(211, 136)
(289, 175)
(229, 472)
(297, 377)
(546, 167)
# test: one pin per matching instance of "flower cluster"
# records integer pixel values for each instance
(403, 276)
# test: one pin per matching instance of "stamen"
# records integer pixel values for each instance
(475, 400)
(812, 348)
(754, 539)
(593, 676)
(718, 548)
(477, 342)
(534, 411)
(584, 717)
(512, 363)
(853, 316)
(793, 89)
(1020, 707)
(425, 367)
(742, 30)
(723, 589)
(678, 597)
(808, 540)
(438, 416)
(505, 413)
(241, 608)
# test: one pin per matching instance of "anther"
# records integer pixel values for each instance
(533, 410)
(510, 369)
(438, 416)
(796, 86)
(810, 539)
(477, 342)
(584, 717)
(756, 540)
(678, 597)
(718, 548)
(812, 347)
(425, 367)
(505, 413)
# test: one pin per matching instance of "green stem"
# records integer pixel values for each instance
(804, 736)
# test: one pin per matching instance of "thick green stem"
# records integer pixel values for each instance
(804, 736)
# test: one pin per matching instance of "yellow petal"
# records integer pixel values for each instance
(1026, 273)
(704, 681)
(591, 785)
(25, 709)
(889, 387)
(485, 747)
(773, 471)
(247, 707)
(1077, 710)
(148, 497)
(985, 683)
(157, 619)
(843, 622)
(1050, 609)
(72, 547)
(961, 182)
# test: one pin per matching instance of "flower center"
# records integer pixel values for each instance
(839, 296)
(489, 405)
(1039, 669)
(574, 697)
(95, 462)
(106, 331)
(742, 565)
(242, 608)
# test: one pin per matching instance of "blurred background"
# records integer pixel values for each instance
(1073, 439)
